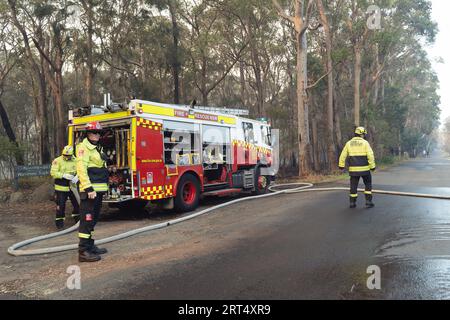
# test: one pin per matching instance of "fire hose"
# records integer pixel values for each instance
(304, 187)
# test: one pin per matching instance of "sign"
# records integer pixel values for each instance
(29, 171)
(33, 171)
(197, 115)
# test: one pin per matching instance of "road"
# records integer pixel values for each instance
(298, 246)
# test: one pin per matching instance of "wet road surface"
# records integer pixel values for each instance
(297, 246)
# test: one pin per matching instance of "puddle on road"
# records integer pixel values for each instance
(415, 262)
(422, 242)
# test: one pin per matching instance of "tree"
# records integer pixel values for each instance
(330, 90)
(300, 22)
(39, 83)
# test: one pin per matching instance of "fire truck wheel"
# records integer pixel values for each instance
(188, 192)
(261, 183)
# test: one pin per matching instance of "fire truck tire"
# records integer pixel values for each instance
(188, 193)
(261, 183)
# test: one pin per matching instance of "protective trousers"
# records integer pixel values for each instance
(89, 215)
(354, 180)
(61, 198)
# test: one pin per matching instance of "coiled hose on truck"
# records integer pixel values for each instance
(303, 187)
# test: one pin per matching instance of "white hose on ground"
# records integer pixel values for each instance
(305, 187)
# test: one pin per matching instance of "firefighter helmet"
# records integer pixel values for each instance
(94, 127)
(360, 130)
(67, 151)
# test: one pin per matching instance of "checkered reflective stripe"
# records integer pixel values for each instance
(250, 146)
(149, 124)
(156, 192)
(169, 190)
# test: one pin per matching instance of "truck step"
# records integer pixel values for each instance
(222, 192)
(215, 186)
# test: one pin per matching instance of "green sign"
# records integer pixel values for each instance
(33, 171)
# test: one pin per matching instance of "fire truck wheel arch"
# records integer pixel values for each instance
(187, 192)
(189, 172)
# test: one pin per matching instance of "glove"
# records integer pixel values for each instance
(68, 176)
(75, 180)
(342, 169)
(92, 195)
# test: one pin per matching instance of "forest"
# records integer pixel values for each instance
(314, 68)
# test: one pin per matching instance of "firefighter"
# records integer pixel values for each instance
(63, 170)
(361, 163)
(93, 174)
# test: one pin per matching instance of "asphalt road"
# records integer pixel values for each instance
(298, 246)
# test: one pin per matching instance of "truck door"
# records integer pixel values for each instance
(150, 168)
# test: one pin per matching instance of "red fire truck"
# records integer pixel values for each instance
(172, 155)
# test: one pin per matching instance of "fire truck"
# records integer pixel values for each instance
(174, 155)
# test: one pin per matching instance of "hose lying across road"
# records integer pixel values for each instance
(304, 187)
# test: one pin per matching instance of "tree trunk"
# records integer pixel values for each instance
(61, 137)
(204, 90)
(42, 116)
(256, 64)
(175, 58)
(302, 116)
(330, 88)
(10, 133)
(90, 70)
(337, 124)
(242, 82)
(315, 142)
(376, 87)
(357, 83)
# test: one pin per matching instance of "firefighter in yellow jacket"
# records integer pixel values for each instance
(64, 172)
(361, 162)
(93, 174)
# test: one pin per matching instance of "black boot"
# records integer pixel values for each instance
(76, 217)
(352, 202)
(59, 224)
(369, 203)
(87, 256)
(98, 250)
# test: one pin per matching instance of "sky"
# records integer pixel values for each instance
(441, 49)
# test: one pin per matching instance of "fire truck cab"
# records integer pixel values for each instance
(173, 155)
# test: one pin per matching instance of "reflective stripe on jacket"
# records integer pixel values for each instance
(360, 157)
(91, 167)
(61, 167)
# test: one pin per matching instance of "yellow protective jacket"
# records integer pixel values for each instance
(360, 157)
(61, 167)
(91, 167)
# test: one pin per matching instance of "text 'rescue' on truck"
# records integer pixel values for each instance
(172, 154)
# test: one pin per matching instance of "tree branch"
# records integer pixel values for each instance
(307, 17)
(44, 55)
(318, 80)
(228, 69)
(281, 12)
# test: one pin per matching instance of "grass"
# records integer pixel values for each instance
(382, 164)
(27, 183)
(389, 161)
(315, 178)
